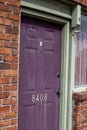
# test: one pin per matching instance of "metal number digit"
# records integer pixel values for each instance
(37, 98)
(41, 97)
(33, 98)
(45, 97)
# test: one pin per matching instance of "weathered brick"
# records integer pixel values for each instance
(1, 29)
(14, 79)
(0, 73)
(4, 123)
(10, 128)
(15, 37)
(15, 3)
(0, 88)
(11, 30)
(4, 109)
(6, 37)
(13, 121)
(11, 45)
(16, 10)
(14, 52)
(1, 102)
(10, 87)
(13, 16)
(4, 66)
(4, 51)
(16, 23)
(1, 21)
(1, 43)
(14, 66)
(4, 80)
(9, 101)
(11, 58)
(9, 115)
(2, 1)
(14, 107)
(83, 2)
(14, 94)
(4, 95)
(1, 58)
(10, 73)
(8, 22)
(7, 8)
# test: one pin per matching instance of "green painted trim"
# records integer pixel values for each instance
(64, 77)
(44, 9)
(65, 59)
(40, 15)
(71, 80)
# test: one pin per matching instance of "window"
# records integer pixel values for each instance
(81, 54)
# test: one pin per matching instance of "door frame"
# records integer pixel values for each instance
(31, 10)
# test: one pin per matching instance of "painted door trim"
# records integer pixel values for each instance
(45, 9)
(63, 123)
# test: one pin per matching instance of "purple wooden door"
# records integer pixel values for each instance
(39, 82)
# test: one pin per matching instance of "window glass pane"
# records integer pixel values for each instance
(81, 54)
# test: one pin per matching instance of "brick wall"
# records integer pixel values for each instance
(9, 29)
(80, 111)
(83, 2)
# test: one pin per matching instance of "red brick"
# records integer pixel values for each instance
(1, 29)
(4, 66)
(15, 3)
(12, 16)
(10, 73)
(0, 73)
(11, 45)
(8, 22)
(15, 37)
(4, 80)
(14, 66)
(10, 128)
(1, 44)
(13, 121)
(14, 94)
(9, 101)
(4, 51)
(4, 95)
(16, 10)
(2, 1)
(5, 36)
(84, 112)
(11, 58)
(10, 87)
(2, 14)
(11, 30)
(84, 107)
(0, 88)
(1, 21)
(4, 109)
(83, 2)
(14, 107)
(16, 23)
(9, 115)
(7, 8)
(14, 79)
(14, 52)
(4, 123)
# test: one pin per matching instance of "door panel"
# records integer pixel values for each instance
(40, 62)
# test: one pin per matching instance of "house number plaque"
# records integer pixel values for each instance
(39, 97)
